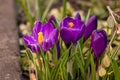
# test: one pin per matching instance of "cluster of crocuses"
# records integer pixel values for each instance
(71, 31)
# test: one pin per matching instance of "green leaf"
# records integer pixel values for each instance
(54, 53)
(29, 54)
(36, 68)
(40, 72)
(26, 11)
(87, 63)
(88, 15)
(64, 8)
(46, 10)
(61, 62)
(115, 69)
(74, 69)
(81, 54)
(93, 69)
(81, 66)
(115, 52)
(37, 9)
(63, 66)
(46, 65)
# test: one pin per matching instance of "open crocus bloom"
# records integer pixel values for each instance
(43, 35)
(98, 42)
(71, 30)
(90, 26)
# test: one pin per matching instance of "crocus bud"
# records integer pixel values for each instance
(90, 26)
(77, 16)
(52, 19)
(98, 42)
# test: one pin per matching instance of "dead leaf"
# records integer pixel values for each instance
(110, 22)
(102, 71)
(106, 61)
(118, 31)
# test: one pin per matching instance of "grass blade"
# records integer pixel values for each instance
(81, 54)
(81, 66)
(115, 69)
(62, 61)
(64, 8)
(87, 63)
(46, 11)
(88, 15)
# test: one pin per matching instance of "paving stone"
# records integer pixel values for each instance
(9, 62)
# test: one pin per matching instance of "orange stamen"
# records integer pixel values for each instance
(40, 37)
(71, 25)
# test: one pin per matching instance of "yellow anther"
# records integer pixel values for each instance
(71, 25)
(40, 37)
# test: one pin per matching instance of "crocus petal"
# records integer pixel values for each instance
(47, 29)
(53, 36)
(65, 22)
(90, 26)
(77, 23)
(52, 19)
(98, 42)
(73, 34)
(49, 41)
(103, 35)
(34, 48)
(45, 45)
(77, 33)
(37, 28)
(66, 35)
(31, 43)
(29, 39)
(47, 34)
(78, 16)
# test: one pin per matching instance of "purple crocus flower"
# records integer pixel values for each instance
(44, 35)
(78, 16)
(52, 19)
(98, 42)
(90, 26)
(71, 29)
